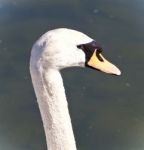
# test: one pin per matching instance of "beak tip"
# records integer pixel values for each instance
(118, 72)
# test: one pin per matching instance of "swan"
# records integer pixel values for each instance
(53, 51)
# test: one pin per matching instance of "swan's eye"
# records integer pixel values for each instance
(80, 46)
(87, 49)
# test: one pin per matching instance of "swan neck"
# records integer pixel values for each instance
(50, 93)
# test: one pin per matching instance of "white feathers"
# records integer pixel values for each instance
(58, 48)
(55, 50)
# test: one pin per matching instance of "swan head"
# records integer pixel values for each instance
(61, 48)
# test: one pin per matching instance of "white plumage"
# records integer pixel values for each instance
(55, 50)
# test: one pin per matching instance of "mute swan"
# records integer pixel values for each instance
(55, 50)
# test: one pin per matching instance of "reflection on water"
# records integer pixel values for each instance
(107, 111)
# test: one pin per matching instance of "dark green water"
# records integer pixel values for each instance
(107, 111)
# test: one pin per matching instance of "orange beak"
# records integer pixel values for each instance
(102, 64)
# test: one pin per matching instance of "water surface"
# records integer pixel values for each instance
(107, 111)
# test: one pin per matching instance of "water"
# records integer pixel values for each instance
(107, 111)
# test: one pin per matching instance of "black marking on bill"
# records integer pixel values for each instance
(89, 49)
